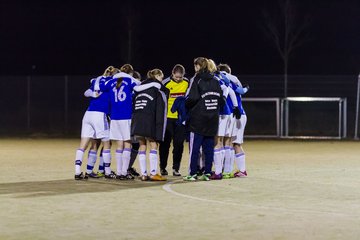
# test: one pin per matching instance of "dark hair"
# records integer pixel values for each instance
(127, 68)
(178, 68)
(118, 83)
(224, 67)
(137, 75)
(202, 62)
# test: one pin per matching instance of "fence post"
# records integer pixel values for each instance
(28, 112)
(345, 118)
(357, 110)
(66, 103)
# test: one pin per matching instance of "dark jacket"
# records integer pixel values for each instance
(179, 106)
(149, 110)
(203, 102)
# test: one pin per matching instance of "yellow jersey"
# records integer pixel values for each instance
(177, 89)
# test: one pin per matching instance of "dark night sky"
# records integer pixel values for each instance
(83, 37)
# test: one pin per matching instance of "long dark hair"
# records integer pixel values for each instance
(126, 68)
(118, 82)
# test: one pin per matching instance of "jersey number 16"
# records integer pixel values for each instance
(121, 95)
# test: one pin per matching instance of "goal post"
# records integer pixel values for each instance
(342, 116)
(275, 115)
(356, 135)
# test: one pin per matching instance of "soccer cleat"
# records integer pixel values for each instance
(100, 174)
(80, 176)
(91, 175)
(112, 175)
(190, 178)
(133, 172)
(129, 177)
(240, 174)
(144, 178)
(176, 173)
(227, 175)
(205, 177)
(200, 171)
(157, 177)
(163, 172)
(216, 176)
(120, 177)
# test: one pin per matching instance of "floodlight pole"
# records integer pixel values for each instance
(66, 102)
(28, 94)
(357, 109)
(28, 111)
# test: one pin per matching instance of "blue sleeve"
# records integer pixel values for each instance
(176, 104)
(92, 85)
(132, 83)
(224, 78)
(241, 90)
(105, 86)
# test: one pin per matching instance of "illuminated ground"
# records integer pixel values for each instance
(295, 190)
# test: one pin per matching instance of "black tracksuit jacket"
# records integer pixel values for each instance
(203, 102)
(149, 110)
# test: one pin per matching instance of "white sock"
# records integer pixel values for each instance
(217, 161)
(78, 160)
(107, 161)
(142, 162)
(126, 160)
(119, 161)
(101, 164)
(240, 161)
(227, 161)
(232, 159)
(153, 161)
(91, 161)
(222, 156)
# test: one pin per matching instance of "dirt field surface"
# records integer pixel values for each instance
(295, 190)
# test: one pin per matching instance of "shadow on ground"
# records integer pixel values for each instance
(70, 186)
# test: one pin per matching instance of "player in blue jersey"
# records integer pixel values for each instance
(120, 89)
(95, 124)
(239, 126)
(95, 143)
(228, 112)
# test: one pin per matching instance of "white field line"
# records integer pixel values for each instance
(167, 188)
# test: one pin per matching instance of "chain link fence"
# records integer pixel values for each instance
(54, 105)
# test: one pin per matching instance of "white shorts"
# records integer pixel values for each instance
(95, 125)
(120, 130)
(224, 124)
(230, 130)
(239, 130)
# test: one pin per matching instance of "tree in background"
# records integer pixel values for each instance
(286, 27)
(131, 17)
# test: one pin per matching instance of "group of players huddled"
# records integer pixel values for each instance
(135, 114)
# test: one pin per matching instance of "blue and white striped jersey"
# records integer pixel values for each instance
(238, 89)
(238, 97)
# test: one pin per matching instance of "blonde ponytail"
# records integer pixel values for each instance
(154, 72)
